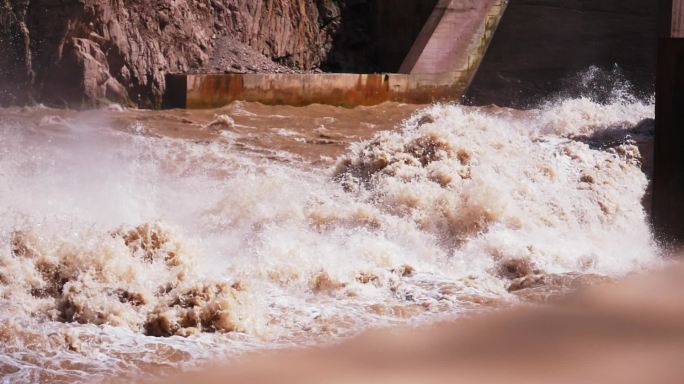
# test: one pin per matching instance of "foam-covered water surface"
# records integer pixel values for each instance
(136, 242)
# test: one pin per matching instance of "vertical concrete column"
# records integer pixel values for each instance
(454, 38)
(668, 187)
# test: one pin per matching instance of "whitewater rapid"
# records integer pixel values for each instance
(123, 250)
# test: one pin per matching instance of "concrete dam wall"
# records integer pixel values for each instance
(541, 46)
(429, 51)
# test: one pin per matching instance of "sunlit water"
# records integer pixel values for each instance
(134, 242)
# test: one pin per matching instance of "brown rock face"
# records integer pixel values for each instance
(80, 52)
(69, 52)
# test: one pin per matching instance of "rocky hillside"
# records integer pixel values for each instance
(80, 52)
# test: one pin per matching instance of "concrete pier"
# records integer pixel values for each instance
(451, 39)
(439, 66)
(668, 183)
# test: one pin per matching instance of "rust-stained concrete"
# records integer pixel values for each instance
(439, 67)
(207, 91)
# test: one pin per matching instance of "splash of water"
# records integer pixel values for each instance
(108, 237)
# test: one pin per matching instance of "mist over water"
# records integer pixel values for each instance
(126, 248)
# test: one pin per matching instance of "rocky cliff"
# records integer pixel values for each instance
(79, 52)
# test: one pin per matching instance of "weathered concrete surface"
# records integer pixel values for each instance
(445, 58)
(668, 184)
(453, 31)
(676, 17)
(541, 45)
(209, 91)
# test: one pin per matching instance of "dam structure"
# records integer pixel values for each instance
(668, 178)
(429, 50)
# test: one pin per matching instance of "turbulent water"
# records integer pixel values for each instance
(133, 242)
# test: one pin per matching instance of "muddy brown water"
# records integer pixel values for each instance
(138, 243)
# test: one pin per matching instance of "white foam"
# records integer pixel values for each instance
(323, 252)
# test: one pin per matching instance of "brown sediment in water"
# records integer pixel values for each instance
(309, 133)
(626, 332)
(143, 280)
(231, 228)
